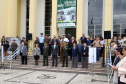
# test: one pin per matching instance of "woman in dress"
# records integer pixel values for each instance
(6, 46)
(36, 54)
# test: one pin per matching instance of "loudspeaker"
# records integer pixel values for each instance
(29, 36)
(107, 34)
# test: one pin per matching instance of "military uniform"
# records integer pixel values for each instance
(61, 45)
(45, 55)
(14, 47)
(46, 40)
(26, 43)
(36, 42)
(65, 50)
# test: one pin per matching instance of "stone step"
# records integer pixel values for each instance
(16, 64)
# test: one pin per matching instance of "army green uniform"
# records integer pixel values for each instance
(65, 50)
(26, 43)
(46, 40)
(45, 55)
(14, 47)
(36, 42)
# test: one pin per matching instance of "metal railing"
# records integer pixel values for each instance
(12, 56)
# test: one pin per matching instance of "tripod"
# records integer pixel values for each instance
(92, 71)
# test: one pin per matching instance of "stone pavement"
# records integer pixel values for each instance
(47, 77)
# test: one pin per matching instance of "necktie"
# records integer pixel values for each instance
(72, 41)
(54, 46)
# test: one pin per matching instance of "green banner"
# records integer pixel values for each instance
(66, 14)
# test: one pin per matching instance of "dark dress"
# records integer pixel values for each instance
(36, 57)
(91, 42)
(6, 46)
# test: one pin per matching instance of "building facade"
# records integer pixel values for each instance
(19, 17)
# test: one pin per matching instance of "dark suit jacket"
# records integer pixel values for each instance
(74, 52)
(84, 51)
(83, 40)
(57, 42)
(24, 51)
(116, 61)
(55, 51)
(71, 44)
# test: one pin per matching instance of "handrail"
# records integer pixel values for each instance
(12, 56)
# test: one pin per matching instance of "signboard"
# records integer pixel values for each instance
(66, 14)
(92, 55)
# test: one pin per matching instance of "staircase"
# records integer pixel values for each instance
(16, 64)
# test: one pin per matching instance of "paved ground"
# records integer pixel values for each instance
(47, 77)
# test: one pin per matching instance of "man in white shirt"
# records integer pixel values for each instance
(65, 39)
(41, 43)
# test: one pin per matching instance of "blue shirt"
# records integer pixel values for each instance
(41, 39)
(88, 42)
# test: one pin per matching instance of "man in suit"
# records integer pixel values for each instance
(72, 41)
(54, 53)
(83, 39)
(74, 55)
(45, 54)
(65, 50)
(53, 40)
(84, 56)
(23, 53)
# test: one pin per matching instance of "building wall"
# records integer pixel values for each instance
(8, 18)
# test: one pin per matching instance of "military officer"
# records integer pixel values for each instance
(65, 50)
(14, 47)
(45, 54)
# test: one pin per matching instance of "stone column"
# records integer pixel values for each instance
(79, 29)
(33, 22)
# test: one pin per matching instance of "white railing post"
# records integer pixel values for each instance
(2, 54)
(105, 54)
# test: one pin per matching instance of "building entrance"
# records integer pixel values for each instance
(70, 32)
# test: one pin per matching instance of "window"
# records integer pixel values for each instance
(95, 9)
(27, 16)
(48, 15)
(119, 18)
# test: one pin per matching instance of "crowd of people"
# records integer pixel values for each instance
(118, 58)
(78, 52)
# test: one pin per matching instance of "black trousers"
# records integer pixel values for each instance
(112, 59)
(49, 49)
(84, 62)
(23, 58)
(54, 57)
(119, 82)
(41, 47)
